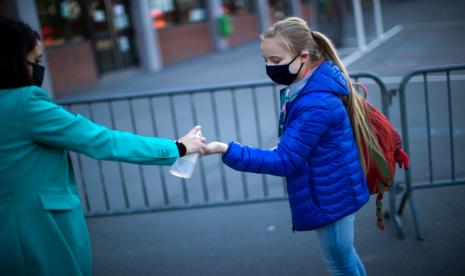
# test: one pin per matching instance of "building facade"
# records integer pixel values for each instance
(87, 39)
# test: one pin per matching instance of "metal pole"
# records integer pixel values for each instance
(359, 27)
(146, 36)
(214, 12)
(296, 8)
(263, 10)
(378, 18)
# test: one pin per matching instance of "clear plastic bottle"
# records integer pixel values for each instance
(184, 166)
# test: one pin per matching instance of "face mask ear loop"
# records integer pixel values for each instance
(300, 68)
(294, 59)
(301, 65)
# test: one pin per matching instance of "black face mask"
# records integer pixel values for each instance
(281, 74)
(37, 73)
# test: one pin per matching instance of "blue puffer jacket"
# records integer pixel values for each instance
(317, 154)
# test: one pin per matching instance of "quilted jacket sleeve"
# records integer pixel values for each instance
(52, 125)
(296, 144)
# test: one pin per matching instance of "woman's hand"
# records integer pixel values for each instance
(216, 147)
(194, 141)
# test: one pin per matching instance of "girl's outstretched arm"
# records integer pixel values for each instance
(296, 144)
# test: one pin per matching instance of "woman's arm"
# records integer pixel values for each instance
(296, 144)
(52, 125)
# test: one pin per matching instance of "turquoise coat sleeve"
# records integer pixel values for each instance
(51, 124)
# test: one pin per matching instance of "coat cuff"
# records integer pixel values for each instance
(233, 154)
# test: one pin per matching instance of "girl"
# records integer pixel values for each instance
(42, 228)
(318, 153)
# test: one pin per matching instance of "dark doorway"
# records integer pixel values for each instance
(110, 28)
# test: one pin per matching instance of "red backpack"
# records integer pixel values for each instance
(381, 169)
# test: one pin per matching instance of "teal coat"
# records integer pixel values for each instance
(42, 227)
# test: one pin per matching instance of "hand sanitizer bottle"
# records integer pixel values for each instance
(184, 166)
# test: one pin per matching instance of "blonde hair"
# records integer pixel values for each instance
(296, 36)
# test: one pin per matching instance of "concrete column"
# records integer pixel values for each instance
(378, 18)
(148, 45)
(359, 27)
(26, 11)
(296, 8)
(214, 12)
(263, 10)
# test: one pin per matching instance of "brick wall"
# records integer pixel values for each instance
(71, 66)
(246, 28)
(185, 41)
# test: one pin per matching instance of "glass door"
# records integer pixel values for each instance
(112, 35)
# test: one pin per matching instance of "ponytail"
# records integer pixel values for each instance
(355, 104)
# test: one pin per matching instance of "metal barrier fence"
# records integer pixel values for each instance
(444, 111)
(245, 112)
(248, 113)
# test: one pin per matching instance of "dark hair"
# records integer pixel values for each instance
(18, 39)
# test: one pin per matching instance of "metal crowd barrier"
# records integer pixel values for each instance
(246, 112)
(443, 74)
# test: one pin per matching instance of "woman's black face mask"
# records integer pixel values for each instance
(281, 74)
(37, 73)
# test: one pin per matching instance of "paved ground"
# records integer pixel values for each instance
(256, 239)
(416, 45)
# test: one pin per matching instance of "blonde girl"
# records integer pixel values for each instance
(319, 153)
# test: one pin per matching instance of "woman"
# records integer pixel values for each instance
(317, 153)
(42, 227)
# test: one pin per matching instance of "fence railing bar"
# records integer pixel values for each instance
(428, 127)
(435, 69)
(201, 165)
(140, 167)
(100, 169)
(163, 93)
(406, 144)
(120, 165)
(176, 134)
(239, 138)
(259, 136)
(451, 126)
(217, 135)
(437, 184)
(184, 207)
(83, 183)
(160, 169)
(81, 173)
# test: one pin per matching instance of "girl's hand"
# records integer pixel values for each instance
(216, 147)
(194, 141)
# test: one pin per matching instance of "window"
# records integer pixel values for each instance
(61, 21)
(167, 13)
(234, 7)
